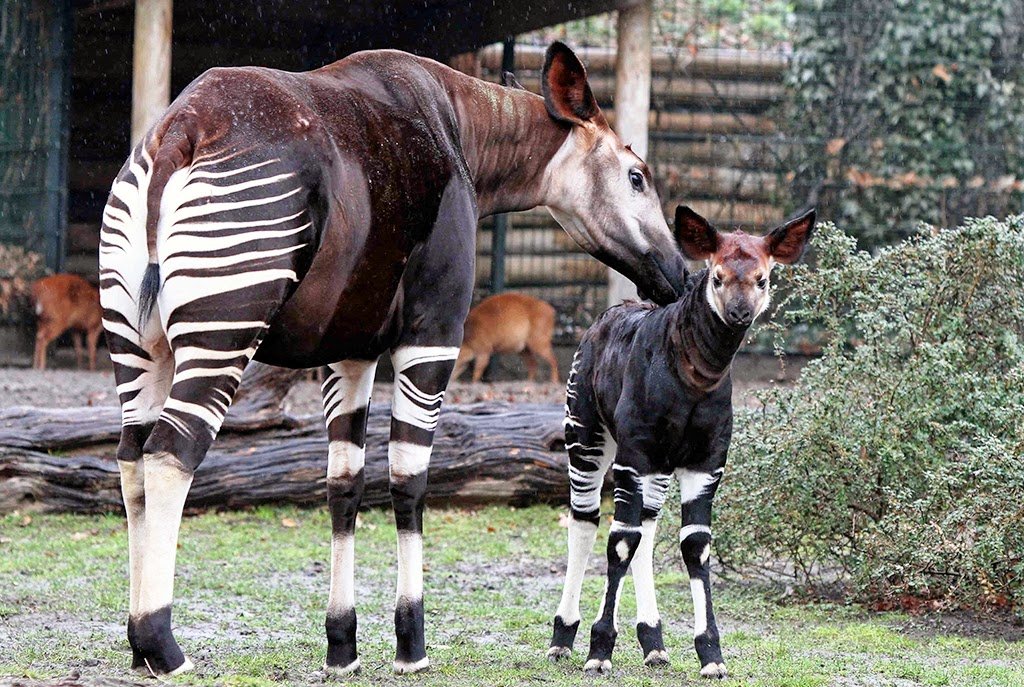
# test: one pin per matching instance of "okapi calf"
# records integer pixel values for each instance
(650, 391)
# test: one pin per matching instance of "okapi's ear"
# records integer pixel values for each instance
(508, 80)
(696, 238)
(786, 244)
(567, 94)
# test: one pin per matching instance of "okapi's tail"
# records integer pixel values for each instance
(147, 292)
(172, 150)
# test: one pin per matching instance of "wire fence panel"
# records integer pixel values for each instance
(34, 49)
(882, 115)
(713, 146)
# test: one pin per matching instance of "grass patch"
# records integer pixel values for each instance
(252, 587)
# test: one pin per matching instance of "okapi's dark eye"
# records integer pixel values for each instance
(762, 283)
(636, 179)
(717, 282)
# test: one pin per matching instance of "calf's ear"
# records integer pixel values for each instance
(567, 94)
(696, 238)
(786, 244)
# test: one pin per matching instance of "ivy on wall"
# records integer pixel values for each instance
(905, 111)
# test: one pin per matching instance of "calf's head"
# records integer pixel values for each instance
(600, 191)
(739, 265)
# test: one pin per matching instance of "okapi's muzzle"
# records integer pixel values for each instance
(661, 278)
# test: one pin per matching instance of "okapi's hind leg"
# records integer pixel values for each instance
(143, 375)
(346, 392)
(421, 377)
(591, 452)
(207, 370)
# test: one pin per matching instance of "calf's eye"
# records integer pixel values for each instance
(717, 282)
(762, 283)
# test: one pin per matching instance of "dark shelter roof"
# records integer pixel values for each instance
(300, 34)
(286, 34)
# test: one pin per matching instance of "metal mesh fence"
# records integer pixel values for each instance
(711, 147)
(745, 132)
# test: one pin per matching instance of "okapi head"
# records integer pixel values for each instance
(739, 265)
(600, 191)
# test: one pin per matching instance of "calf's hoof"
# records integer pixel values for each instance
(714, 671)
(597, 667)
(407, 668)
(342, 671)
(656, 658)
(559, 653)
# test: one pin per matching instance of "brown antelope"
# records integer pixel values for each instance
(63, 302)
(650, 395)
(327, 218)
(508, 323)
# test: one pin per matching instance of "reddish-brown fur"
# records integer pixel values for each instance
(508, 323)
(63, 302)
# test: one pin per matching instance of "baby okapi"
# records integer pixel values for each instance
(650, 391)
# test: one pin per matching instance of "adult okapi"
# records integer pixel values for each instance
(323, 218)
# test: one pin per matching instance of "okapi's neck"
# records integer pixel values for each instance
(704, 345)
(508, 139)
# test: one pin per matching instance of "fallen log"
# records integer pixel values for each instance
(483, 453)
(257, 406)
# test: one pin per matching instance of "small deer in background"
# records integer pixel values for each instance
(508, 323)
(650, 395)
(62, 302)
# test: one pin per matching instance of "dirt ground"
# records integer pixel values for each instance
(68, 388)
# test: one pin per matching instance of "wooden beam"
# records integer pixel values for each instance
(151, 72)
(711, 63)
(632, 104)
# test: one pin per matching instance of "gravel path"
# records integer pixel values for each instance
(65, 388)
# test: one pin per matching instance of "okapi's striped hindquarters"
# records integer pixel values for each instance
(183, 318)
(326, 218)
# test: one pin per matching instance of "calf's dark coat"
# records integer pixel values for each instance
(650, 395)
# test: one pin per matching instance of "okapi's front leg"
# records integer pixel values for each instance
(346, 392)
(623, 541)
(697, 491)
(421, 377)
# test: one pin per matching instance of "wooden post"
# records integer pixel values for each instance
(151, 70)
(632, 102)
(499, 236)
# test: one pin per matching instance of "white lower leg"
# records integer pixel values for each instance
(410, 566)
(643, 576)
(133, 494)
(582, 535)
(167, 486)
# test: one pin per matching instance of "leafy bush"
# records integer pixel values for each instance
(906, 110)
(897, 460)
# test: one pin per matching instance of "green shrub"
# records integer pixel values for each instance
(897, 460)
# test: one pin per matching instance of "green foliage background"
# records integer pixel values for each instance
(922, 102)
(897, 461)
